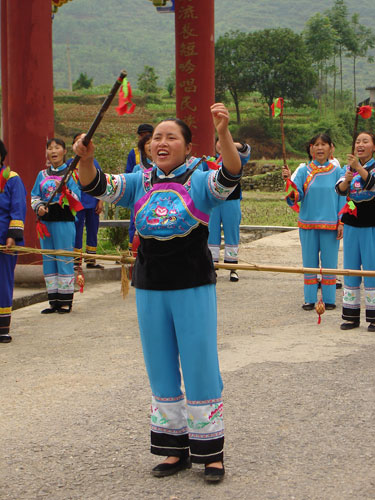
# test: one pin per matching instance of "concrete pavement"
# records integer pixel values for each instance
(299, 397)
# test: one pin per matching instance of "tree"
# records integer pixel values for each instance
(320, 39)
(83, 82)
(170, 83)
(232, 68)
(338, 17)
(362, 39)
(147, 80)
(280, 65)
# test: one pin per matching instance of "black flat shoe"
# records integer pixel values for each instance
(371, 327)
(163, 470)
(349, 325)
(63, 310)
(49, 310)
(233, 276)
(338, 285)
(308, 306)
(94, 266)
(330, 306)
(213, 474)
(5, 338)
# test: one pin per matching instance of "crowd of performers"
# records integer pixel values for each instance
(171, 195)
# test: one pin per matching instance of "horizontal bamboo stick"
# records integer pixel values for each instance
(125, 259)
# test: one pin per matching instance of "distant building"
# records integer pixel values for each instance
(372, 95)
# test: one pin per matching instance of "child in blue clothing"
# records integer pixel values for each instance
(320, 229)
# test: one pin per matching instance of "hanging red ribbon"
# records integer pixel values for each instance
(67, 199)
(41, 230)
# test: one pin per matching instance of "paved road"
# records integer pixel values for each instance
(299, 397)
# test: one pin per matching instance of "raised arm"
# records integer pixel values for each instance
(229, 153)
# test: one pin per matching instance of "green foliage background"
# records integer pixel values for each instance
(106, 36)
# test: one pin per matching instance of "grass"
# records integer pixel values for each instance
(266, 209)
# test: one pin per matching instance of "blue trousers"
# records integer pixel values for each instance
(319, 244)
(7, 266)
(178, 327)
(228, 215)
(59, 271)
(359, 251)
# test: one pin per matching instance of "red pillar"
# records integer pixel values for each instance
(4, 76)
(30, 94)
(195, 70)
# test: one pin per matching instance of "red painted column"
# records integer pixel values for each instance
(195, 70)
(4, 77)
(30, 94)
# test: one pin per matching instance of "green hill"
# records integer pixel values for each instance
(104, 36)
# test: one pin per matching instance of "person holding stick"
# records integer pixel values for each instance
(313, 185)
(174, 278)
(358, 185)
(12, 219)
(59, 218)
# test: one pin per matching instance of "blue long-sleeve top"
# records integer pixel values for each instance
(171, 214)
(320, 204)
(362, 194)
(12, 208)
(46, 182)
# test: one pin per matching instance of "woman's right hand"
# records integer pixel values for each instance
(85, 152)
(42, 210)
(285, 172)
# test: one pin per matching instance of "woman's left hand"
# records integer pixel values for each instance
(220, 116)
(353, 162)
(340, 231)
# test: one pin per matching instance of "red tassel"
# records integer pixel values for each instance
(66, 199)
(41, 230)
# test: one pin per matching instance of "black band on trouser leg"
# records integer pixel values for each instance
(4, 324)
(207, 451)
(349, 314)
(169, 445)
(370, 315)
(52, 299)
(65, 299)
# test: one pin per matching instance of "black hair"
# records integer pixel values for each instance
(185, 130)
(75, 137)
(58, 141)
(3, 151)
(324, 137)
(142, 143)
(367, 133)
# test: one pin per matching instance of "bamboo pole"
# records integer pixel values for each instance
(125, 259)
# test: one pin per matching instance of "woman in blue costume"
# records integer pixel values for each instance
(175, 281)
(358, 185)
(320, 230)
(12, 219)
(59, 220)
(228, 215)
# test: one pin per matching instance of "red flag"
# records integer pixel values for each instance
(365, 112)
(277, 106)
(125, 104)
